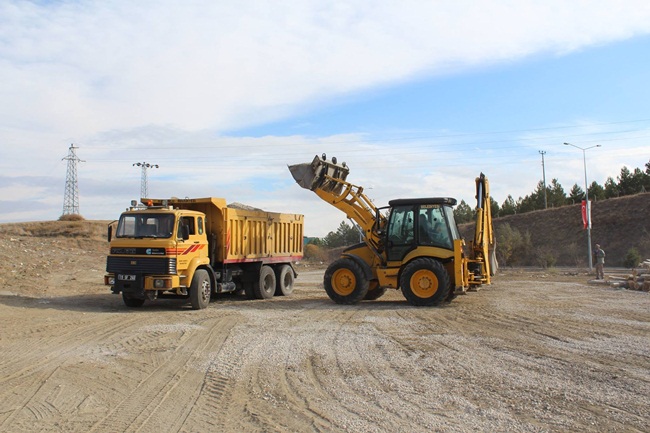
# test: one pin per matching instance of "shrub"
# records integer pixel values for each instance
(71, 217)
(632, 258)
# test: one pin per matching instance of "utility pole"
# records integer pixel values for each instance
(144, 187)
(71, 194)
(542, 152)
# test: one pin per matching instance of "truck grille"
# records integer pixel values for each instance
(132, 265)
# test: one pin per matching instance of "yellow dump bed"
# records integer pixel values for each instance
(244, 235)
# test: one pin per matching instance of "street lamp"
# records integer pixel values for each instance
(584, 161)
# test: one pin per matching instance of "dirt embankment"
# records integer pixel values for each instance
(618, 225)
(533, 352)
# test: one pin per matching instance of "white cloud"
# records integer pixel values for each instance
(160, 81)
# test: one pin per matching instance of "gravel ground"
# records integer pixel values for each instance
(533, 352)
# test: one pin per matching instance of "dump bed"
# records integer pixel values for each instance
(244, 235)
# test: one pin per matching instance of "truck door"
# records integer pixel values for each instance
(196, 242)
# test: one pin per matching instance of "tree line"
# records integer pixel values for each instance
(627, 183)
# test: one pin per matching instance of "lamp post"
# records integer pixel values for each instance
(584, 162)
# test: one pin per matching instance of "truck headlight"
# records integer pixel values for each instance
(109, 280)
(158, 284)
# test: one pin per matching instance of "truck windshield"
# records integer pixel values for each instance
(145, 226)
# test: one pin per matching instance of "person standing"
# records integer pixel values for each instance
(600, 262)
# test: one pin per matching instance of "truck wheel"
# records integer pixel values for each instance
(132, 302)
(200, 290)
(265, 287)
(284, 279)
(345, 282)
(424, 282)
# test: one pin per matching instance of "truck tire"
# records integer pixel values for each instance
(200, 290)
(284, 281)
(132, 302)
(345, 282)
(264, 288)
(424, 282)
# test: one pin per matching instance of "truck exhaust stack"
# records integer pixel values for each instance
(320, 173)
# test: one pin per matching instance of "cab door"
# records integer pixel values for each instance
(400, 236)
(192, 227)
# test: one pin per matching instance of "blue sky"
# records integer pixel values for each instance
(417, 97)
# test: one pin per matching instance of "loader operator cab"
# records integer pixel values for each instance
(420, 222)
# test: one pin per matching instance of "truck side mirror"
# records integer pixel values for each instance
(109, 235)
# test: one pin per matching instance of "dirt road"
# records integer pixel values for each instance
(526, 354)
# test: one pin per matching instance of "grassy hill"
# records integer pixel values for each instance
(557, 235)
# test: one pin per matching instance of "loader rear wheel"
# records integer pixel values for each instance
(424, 282)
(284, 279)
(345, 282)
(200, 290)
(264, 288)
(132, 302)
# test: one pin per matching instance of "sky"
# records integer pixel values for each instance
(417, 97)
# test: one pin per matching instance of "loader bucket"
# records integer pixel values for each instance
(320, 173)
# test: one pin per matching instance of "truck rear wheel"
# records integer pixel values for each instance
(284, 280)
(200, 290)
(265, 287)
(132, 302)
(424, 282)
(345, 281)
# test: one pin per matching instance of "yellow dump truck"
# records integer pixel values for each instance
(196, 247)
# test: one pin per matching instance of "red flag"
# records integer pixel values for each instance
(584, 214)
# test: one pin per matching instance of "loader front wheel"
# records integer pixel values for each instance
(345, 282)
(200, 290)
(424, 282)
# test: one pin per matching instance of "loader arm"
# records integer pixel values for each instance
(327, 180)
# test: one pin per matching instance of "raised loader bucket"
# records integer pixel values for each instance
(320, 173)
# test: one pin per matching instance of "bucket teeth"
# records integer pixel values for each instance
(320, 173)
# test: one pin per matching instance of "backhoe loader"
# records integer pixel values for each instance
(413, 244)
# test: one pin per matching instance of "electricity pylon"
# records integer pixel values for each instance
(144, 187)
(71, 194)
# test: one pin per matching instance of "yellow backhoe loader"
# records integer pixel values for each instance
(413, 244)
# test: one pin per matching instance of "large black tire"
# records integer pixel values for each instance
(132, 302)
(345, 282)
(284, 280)
(200, 290)
(375, 293)
(424, 282)
(264, 288)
